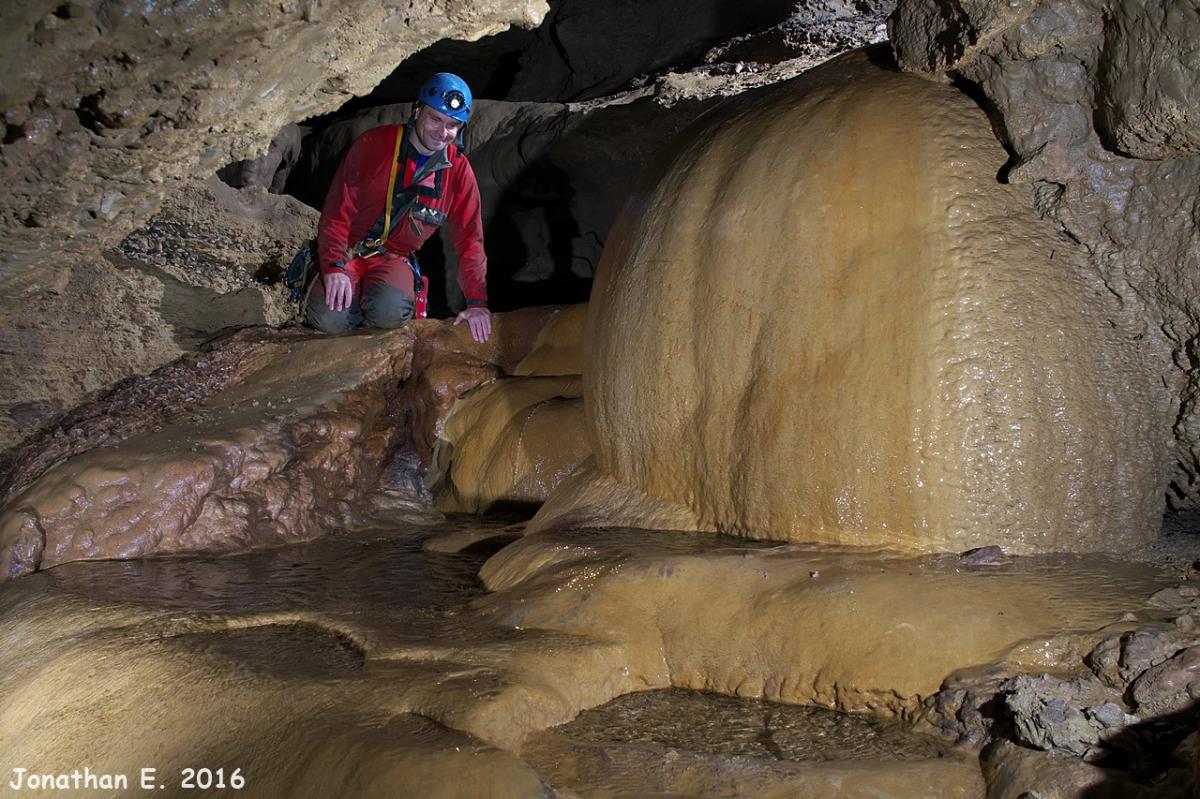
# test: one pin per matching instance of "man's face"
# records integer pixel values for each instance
(434, 130)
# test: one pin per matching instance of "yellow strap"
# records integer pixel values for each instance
(387, 213)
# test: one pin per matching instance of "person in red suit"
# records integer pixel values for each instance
(367, 274)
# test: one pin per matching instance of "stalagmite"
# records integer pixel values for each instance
(832, 322)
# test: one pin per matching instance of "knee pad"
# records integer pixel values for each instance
(327, 321)
(387, 306)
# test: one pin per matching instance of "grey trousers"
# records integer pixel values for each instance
(375, 304)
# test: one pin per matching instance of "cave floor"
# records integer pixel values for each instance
(370, 663)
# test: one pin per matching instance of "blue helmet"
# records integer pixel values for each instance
(447, 93)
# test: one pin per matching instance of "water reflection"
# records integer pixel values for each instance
(369, 568)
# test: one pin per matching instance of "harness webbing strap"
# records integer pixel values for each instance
(387, 213)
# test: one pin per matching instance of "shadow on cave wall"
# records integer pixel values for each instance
(1148, 756)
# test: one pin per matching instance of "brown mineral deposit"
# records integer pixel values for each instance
(830, 322)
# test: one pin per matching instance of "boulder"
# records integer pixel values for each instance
(263, 462)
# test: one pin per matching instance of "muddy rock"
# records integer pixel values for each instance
(268, 172)
(1105, 662)
(1149, 94)
(1176, 597)
(1143, 648)
(968, 706)
(984, 556)
(1169, 686)
(209, 261)
(1014, 772)
(1051, 713)
(223, 251)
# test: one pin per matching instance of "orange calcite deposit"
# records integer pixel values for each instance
(447, 363)
(510, 443)
(831, 322)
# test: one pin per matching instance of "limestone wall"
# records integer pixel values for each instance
(831, 322)
(1096, 105)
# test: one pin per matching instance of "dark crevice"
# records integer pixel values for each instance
(14, 133)
(995, 118)
(90, 114)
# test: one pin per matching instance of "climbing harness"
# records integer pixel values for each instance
(398, 206)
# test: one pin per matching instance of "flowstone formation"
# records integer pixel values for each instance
(511, 442)
(830, 322)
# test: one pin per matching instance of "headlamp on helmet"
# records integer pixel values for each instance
(447, 93)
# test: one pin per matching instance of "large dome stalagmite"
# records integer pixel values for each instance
(831, 322)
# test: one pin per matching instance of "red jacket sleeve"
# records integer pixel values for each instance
(466, 231)
(348, 193)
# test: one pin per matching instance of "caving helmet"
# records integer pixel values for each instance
(447, 93)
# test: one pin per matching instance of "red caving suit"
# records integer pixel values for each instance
(355, 203)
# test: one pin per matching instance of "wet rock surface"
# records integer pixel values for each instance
(663, 742)
(309, 663)
(1076, 89)
(447, 364)
(509, 443)
(137, 405)
(742, 399)
(260, 463)
(270, 437)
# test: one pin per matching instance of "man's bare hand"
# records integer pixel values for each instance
(339, 290)
(480, 322)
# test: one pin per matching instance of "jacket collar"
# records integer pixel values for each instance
(436, 162)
